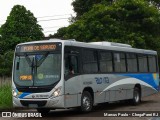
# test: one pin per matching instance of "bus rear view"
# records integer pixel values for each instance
(37, 75)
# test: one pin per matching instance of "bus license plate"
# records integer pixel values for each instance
(33, 105)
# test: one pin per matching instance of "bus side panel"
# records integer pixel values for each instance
(146, 91)
(99, 97)
(120, 94)
(129, 93)
(105, 88)
(112, 95)
(149, 82)
(119, 87)
(92, 81)
(125, 91)
(107, 96)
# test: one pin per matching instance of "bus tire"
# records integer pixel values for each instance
(86, 102)
(43, 110)
(136, 96)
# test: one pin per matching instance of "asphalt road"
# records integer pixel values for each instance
(150, 103)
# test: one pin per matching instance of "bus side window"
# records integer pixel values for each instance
(74, 64)
(71, 65)
(66, 66)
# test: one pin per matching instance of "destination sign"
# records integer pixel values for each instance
(38, 47)
(25, 77)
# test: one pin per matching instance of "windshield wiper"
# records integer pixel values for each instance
(28, 60)
(33, 69)
(31, 64)
(38, 63)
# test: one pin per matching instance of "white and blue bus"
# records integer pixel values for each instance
(60, 74)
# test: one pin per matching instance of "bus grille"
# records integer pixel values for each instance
(39, 103)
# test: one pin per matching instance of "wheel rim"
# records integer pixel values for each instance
(136, 96)
(86, 103)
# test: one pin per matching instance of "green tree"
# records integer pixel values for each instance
(83, 6)
(60, 33)
(134, 22)
(155, 2)
(20, 26)
(6, 63)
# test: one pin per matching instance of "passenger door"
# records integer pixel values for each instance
(72, 78)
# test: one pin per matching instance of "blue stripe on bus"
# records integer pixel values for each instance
(24, 94)
(148, 78)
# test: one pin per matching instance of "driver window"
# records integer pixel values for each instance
(71, 65)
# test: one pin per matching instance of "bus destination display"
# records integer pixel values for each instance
(38, 47)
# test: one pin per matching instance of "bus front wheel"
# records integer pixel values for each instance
(86, 102)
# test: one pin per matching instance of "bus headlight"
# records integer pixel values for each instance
(56, 92)
(14, 93)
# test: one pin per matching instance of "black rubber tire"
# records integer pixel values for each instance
(43, 110)
(136, 96)
(86, 102)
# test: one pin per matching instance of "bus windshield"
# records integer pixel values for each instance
(40, 69)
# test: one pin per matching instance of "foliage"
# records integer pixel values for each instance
(20, 26)
(6, 63)
(134, 22)
(155, 2)
(5, 97)
(83, 6)
(60, 33)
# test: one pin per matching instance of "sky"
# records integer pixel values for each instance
(51, 14)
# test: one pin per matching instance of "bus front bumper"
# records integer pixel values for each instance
(56, 102)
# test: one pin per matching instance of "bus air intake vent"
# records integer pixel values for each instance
(39, 103)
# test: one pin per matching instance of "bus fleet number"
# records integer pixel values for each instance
(100, 80)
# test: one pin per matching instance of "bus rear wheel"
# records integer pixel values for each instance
(86, 102)
(136, 96)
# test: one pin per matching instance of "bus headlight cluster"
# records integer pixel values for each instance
(56, 92)
(14, 93)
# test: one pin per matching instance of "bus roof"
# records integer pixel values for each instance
(98, 45)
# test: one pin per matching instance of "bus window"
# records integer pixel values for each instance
(71, 65)
(142, 61)
(132, 62)
(90, 62)
(106, 64)
(152, 63)
(119, 62)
